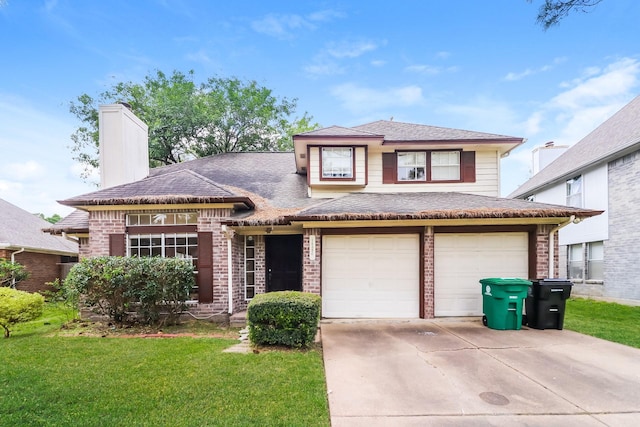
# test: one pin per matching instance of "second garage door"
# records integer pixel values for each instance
(461, 260)
(371, 276)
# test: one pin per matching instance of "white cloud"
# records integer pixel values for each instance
(24, 171)
(531, 71)
(378, 63)
(361, 100)
(350, 49)
(430, 69)
(199, 57)
(284, 26)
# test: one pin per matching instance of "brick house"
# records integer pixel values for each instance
(387, 219)
(23, 240)
(601, 171)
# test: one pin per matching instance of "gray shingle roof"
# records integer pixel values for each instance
(339, 131)
(21, 229)
(180, 186)
(619, 133)
(434, 205)
(399, 131)
(76, 222)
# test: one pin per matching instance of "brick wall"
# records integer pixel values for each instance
(311, 269)
(621, 251)
(209, 221)
(542, 251)
(429, 275)
(101, 225)
(42, 268)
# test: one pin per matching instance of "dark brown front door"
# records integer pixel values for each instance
(284, 263)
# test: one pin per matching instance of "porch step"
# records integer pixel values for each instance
(238, 319)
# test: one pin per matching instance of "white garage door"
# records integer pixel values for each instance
(461, 260)
(371, 276)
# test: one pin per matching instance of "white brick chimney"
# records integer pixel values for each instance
(124, 149)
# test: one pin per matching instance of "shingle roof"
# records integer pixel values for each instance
(270, 175)
(339, 131)
(399, 131)
(617, 134)
(76, 222)
(21, 229)
(434, 205)
(180, 186)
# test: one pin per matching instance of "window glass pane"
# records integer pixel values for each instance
(595, 263)
(574, 192)
(412, 166)
(250, 265)
(251, 292)
(596, 250)
(144, 219)
(445, 166)
(250, 279)
(576, 264)
(337, 162)
(250, 252)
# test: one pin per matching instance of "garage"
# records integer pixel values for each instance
(461, 260)
(371, 276)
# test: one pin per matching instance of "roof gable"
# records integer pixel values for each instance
(609, 140)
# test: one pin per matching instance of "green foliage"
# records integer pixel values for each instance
(11, 273)
(147, 290)
(284, 318)
(52, 219)
(188, 120)
(18, 306)
(553, 11)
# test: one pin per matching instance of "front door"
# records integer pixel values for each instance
(284, 263)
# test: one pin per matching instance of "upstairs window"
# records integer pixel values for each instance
(412, 166)
(428, 166)
(337, 163)
(445, 166)
(574, 192)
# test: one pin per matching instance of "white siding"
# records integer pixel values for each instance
(314, 169)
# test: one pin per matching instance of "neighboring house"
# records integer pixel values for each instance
(23, 240)
(386, 219)
(602, 171)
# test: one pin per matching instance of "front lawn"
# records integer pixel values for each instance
(606, 320)
(52, 380)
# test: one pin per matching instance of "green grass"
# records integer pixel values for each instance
(47, 379)
(606, 320)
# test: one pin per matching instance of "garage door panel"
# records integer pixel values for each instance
(373, 276)
(461, 260)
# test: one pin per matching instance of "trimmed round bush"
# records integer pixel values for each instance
(18, 306)
(286, 318)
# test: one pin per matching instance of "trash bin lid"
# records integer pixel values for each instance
(504, 281)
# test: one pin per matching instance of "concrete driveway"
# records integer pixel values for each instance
(457, 372)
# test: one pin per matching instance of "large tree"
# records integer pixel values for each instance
(189, 120)
(552, 11)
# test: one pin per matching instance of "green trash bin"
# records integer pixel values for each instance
(502, 301)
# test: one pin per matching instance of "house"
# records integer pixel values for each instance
(23, 240)
(383, 220)
(602, 172)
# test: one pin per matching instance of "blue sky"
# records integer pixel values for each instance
(468, 64)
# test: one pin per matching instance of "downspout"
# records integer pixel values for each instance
(229, 234)
(13, 261)
(552, 245)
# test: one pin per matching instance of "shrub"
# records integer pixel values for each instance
(148, 290)
(284, 318)
(12, 272)
(18, 306)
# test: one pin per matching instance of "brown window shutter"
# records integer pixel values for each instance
(205, 267)
(117, 246)
(389, 172)
(468, 165)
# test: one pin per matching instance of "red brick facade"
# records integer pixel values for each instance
(42, 268)
(429, 277)
(312, 268)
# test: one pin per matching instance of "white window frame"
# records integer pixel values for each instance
(575, 261)
(412, 166)
(595, 261)
(336, 164)
(574, 191)
(445, 166)
(249, 267)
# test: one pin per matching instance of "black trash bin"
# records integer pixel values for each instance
(545, 303)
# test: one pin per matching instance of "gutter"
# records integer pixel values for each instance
(552, 245)
(13, 261)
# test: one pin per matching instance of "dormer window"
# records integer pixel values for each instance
(337, 162)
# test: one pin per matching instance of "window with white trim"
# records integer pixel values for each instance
(575, 261)
(412, 166)
(249, 267)
(574, 192)
(337, 162)
(595, 261)
(445, 165)
(163, 243)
